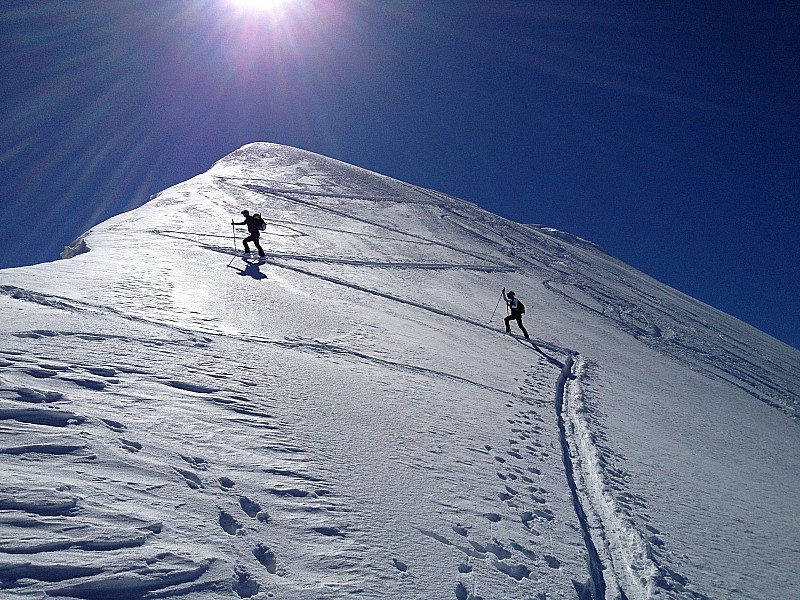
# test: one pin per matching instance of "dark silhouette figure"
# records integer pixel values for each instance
(254, 223)
(517, 310)
(251, 270)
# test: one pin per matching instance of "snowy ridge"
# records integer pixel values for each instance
(345, 419)
(573, 240)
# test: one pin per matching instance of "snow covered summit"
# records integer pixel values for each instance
(347, 418)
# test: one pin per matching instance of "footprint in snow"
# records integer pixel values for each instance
(229, 524)
(552, 561)
(329, 531)
(115, 426)
(130, 445)
(518, 572)
(37, 396)
(462, 593)
(201, 464)
(400, 565)
(245, 586)
(192, 480)
(495, 548)
(652, 529)
(527, 518)
(40, 373)
(267, 558)
(102, 371)
(191, 387)
(92, 384)
(530, 554)
(250, 507)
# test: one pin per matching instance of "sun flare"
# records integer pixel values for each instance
(260, 5)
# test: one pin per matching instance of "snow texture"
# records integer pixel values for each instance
(347, 418)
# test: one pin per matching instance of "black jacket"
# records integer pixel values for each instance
(253, 224)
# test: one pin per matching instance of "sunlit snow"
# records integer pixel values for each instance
(343, 420)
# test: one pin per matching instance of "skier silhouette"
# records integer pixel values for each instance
(254, 225)
(517, 310)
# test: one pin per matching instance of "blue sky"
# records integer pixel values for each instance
(668, 133)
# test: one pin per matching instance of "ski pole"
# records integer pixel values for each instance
(234, 243)
(495, 307)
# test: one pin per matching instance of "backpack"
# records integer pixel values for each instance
(261, 225)
(520, 307)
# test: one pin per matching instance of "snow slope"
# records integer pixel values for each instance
(343, 419)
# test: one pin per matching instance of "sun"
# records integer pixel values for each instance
(260, 5)
(274, 10)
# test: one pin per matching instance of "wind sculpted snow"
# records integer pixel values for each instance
(342, 419)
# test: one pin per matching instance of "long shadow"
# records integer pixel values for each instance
(552, 360)
(251, 270)
(182, 235)
(188, 235)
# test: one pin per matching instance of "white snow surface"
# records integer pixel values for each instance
(348, 418)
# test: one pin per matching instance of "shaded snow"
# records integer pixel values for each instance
(343, 420)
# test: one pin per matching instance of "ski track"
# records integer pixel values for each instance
(597, 583)
(623, 562)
